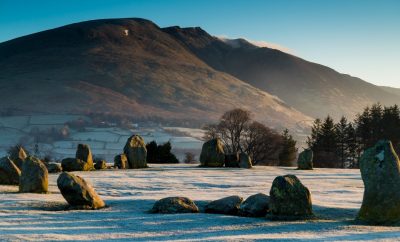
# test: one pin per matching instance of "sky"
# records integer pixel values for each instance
(356, 37)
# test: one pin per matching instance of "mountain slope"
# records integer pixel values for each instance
(311, 88)
(124, 67)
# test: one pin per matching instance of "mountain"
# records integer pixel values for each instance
(127, 67)
(313, 89)
(392, 90)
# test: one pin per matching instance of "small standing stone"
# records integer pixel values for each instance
(73, 164)
(135, 151)
(228, 205)
(78, 193)
(245, 161)
(53, 167)
(175, 205)
(84, 153)
(212, 153)
(34, 176)
(305, 160)
(100, 165)
(9, 172)
(255, 206)
(380, 171)
(289, 199)
(121, 161)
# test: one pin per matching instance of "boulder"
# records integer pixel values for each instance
(34, 176)
(121, 161)
(135, 151)
(18, 156)
(212, 153)
(53, 167)
(78, 193)
(255, 206)
(228, 205)
(73, 164)
(245, 161)
(9, 172)
(380, 172)
(289, 199)
(305, 160)
(232, 160)
(175, 205)
(84, 153)
(100, 165)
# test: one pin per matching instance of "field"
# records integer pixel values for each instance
(336, 194)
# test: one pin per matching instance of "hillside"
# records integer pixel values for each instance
(313, 89)
(124, 67)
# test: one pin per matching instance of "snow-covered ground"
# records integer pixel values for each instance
(336, 194)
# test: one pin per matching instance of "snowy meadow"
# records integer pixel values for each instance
(130, 194)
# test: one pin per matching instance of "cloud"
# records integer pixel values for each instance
(258, 43)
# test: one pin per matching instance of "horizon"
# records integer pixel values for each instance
(305, 29)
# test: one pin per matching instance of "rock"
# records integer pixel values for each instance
(34, 176)
(9, 172)
(245, 161)
(78, 193)
(53, 167)
(135, 151)
(305, 160)
(212, 153)
(175, 205)
(121, 161)
(228, 205)
(289, 199)
(100, 165)
(73, 164)
(380, 171)
(232, 160)
(18, 156)
(84, 153)
(255, 206)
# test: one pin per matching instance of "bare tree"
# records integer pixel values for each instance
(189, 158)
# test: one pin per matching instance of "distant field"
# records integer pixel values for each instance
(336, 195)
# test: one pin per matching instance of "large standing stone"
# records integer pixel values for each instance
(18, 156)
(9, 172)
(228, 205)
(84, 153)
(255, 206)
(73, 164)
(34, 176)
(175, 205)
(380, 171)
(245, 161)
(289, 199)
(232, 160)
(305, 160)
(121, 161)
(135, 150)
(212, 153)
(78, 193)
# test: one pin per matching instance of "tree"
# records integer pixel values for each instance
(289, 151)
(160, 153)
(341, 138)
(189, 158)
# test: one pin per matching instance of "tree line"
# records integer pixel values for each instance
(340, 144)
(240, 133)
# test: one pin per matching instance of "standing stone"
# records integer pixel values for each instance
(255, 206)
(121, 161)
(73, 164)
(34, 176)
(78, 193)
(100, 165)
(135, 151)
(53, 167)
(232, 160)
(9, 172)
(212, 153)
(289, 199)
(305, 160)
(175, 205)
(380, 171)
(245, 161)
(18, 156)
(84, 153)
(228, 205)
